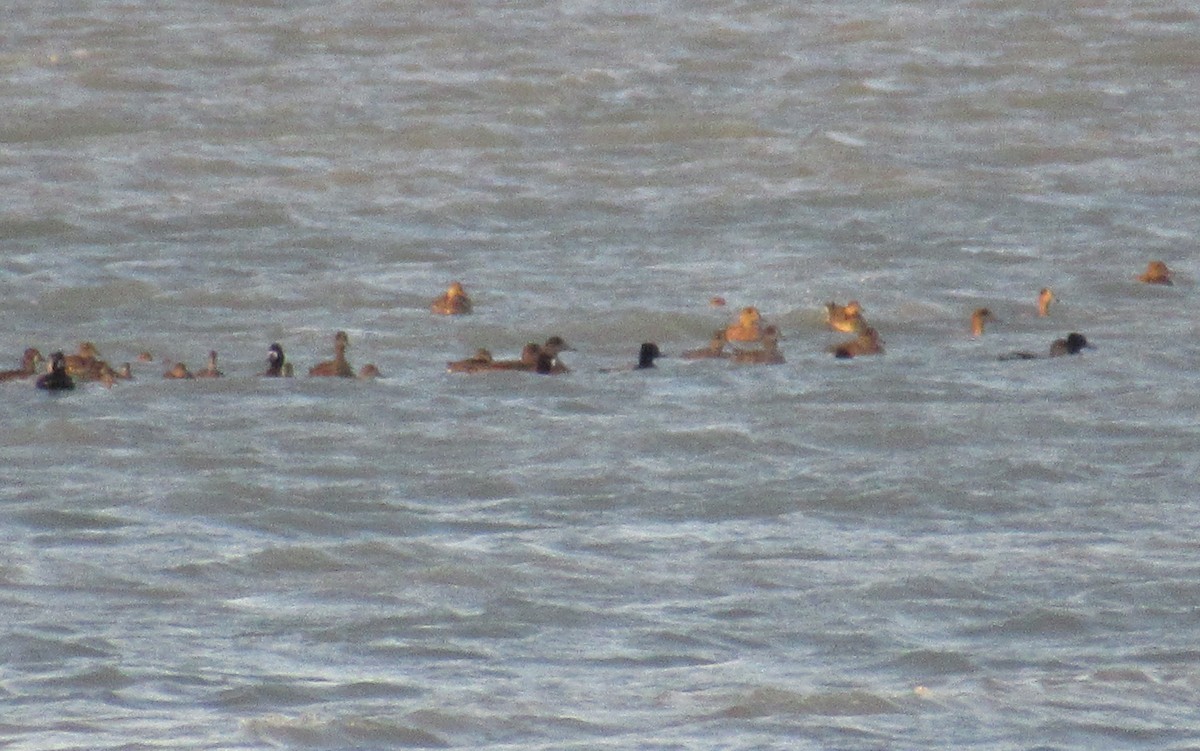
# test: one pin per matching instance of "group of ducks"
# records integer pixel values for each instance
(65, 370)
(86, 365)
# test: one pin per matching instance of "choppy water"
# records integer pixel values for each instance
(929, 549)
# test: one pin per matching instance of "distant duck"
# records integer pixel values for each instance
(481, 360)
(748, 327)
(277, 365)
(210, 370)
(1071, 344)
(1156, 273)
(531, 354)
(1045, 297)
(145, 356)
(648, 352)
(369, 371)
(553, 347)
(527, 361)
(31, 360)
(847, 318)
(86, 365)
(178, 371)
(867, 342)
(454, 302)
(978, 319)
(337, 367)
(769, 354)
(57, 378)
(715, 348)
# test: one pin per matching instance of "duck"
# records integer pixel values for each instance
(867, 342)
(31, 360)
(1072, 344)
(369, 371)
(178, 370)
(277, 365)
(527, 361)
(715, 348)
(210, 370)
(648, 352)
(56, 378)
(337, 367)
(978, 319)
(530, 355)
(1156, 273)
(748, 327)
(554, 346)
(1045, 297)
(768, 354)
(454, 302)
(481, 360)
(847, 318)
(86, 365)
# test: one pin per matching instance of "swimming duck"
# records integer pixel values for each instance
(31, 360)
(715, 348)
(554, 346)
(528, 360)
(1156, 273)
(866, 343)
(454, 302)
(277, 366)
(847, 318)
(1045, 297)
(1071, 344)
(86, 365)
(768, 354)
(747, 329)
(57, 378)
(178, 370)
(978, 319)
(647, 354)
(481, 360)
(337, 366)
(210, 370)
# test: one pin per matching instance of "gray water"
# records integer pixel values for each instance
(927, 549)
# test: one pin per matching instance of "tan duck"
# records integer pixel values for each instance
(748, 327)
(980, 317)
(847, 318)
(1045, 297)
(178, 371)
(210, 370)
(31, 361)
(1156, 273)
(453, 303)
(337, 367)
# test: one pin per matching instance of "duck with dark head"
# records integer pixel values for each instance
(277, 364)
(57, 378)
